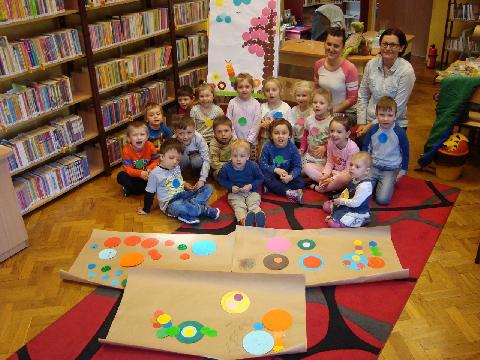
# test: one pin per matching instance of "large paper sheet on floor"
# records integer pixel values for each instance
(107, 256)
(212, 314)
(243, 37)
(325, 256)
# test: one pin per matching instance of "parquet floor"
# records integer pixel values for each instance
(440, 321)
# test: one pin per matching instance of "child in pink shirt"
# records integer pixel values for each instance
(340, 149)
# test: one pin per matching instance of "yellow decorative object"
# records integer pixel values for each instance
(345, 194)
(453, 143)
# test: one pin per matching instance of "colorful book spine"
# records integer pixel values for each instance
(190, 12)
(26, 102)
(18, 10)
(51, 179)
(128, 27)
(193, 77)
(115, 145)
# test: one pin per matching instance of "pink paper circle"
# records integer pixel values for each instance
(314, 131)
(266, 11)
(272, 4)
(301, 121)
(278, 244)
(245, 36)
(260, 52)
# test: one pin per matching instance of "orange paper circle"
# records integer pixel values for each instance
(132, 240)
(184, 256)
(277, 320)
(376, 262)
(148, 243)
(169, 243)
(112, 242)
(131, 259)
(312, 262)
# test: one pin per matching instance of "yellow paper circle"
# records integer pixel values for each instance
(357, 242)
(355, 258)
(164, 319)
(235, 302)
(208, 122)
(359, 252)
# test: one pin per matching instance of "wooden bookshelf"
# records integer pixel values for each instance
(110, 4)
(37, 19)
(193, 58)
(130, 41)
(184, 26)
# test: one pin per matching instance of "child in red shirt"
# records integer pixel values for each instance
(139, 157)
(185, 98)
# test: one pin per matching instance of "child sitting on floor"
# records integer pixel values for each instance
(352, 208)
(195, 155)
(205, 111)
(185, 99)
(166, 180)
(388, 144)
(340, 149)
(139, 157)
(303, 96)
(220, 151)
(157, 129)
(281, 163)
(242, 178)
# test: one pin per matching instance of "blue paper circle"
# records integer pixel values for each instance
(278, 115)
(92, 274)
(204, 248)
(258, 342)
(114, 282)
(176, 183)
(383, 138)
(258, 326)
(105, 277)
(118, 272)
(219, 19)
(228, 19)
(94, 246)
(372, 243)
(91, 266)
(354, 263)
(107, 254)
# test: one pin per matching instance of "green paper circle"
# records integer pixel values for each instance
(106, 268)
(190, 340)
(306, 244)
(162, 333)
(182, 247)
(279, 159)
(242, 121)
(124, 282)
(173, 330)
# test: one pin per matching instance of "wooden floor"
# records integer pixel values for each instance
(440, 321)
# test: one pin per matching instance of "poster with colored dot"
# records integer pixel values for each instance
(243, 38)
(108, 256)
(217, 315)
(325, 256)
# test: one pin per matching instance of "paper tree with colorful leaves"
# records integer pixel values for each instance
(260, 38)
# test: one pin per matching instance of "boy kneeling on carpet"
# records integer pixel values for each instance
(166, 180)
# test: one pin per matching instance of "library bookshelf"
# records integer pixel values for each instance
(88, 106)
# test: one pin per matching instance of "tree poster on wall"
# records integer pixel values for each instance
(244, 37)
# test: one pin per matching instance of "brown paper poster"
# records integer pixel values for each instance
(325, 256)
(212, 314)
(107, 256)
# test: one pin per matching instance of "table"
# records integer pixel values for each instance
(13, 235)
(297, 56)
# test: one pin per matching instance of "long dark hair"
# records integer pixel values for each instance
(402, 39)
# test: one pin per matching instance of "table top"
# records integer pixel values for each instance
(316, 49)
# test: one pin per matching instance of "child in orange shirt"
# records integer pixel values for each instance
(139, 157)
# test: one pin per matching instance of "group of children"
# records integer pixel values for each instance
(267, 144)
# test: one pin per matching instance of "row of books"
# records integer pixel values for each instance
(120, 108)
(51, 179)
(463, 44)
(24, 102)
(115, 145)
(191, 46)
(117, 71)
(98, 3)
(39, 144)
(467, 12)
(193, 77)
(18, 10)
(25, 54)
(127, 27)
(190, 12)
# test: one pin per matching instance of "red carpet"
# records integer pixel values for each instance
(343, 322)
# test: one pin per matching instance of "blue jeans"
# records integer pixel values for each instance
(191, 203)
(383, 182)
(275, 185)
(193, 160)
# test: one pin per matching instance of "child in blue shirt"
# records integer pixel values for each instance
(388, 145)
(281, 163)
(157, 129)
(242, 178)
(166, 180)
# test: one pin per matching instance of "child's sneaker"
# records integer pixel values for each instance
(212, 213)
(335, 224)
(125, 192)
(260, 219)
(249, 219)
(295, 195)
(187, 219)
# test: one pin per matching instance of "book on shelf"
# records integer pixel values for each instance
(24, 102)
(112, 72)
(127, 27)
(41, 143)
(465, 12)
(193, 77)
(25, 54)
(115, 144)
(190, 12)
(17, 10)
(99, 3)
(124, 107)
(197, 44)
(51, 179)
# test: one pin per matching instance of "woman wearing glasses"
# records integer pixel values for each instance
(386, 75)
(336, 74)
